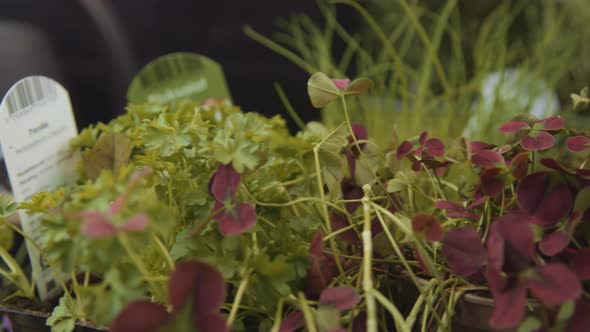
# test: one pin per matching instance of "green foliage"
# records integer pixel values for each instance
(62, 319)
(431, 60)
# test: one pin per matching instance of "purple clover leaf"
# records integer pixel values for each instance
(323, 268)
(545, 201)
(192, 284)
(537, 136)
(464, 251)
(578, 143)
(427, 226)
(233, 218)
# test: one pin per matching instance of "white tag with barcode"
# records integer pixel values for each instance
(36, 126)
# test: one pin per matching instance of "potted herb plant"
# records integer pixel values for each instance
(506, 225)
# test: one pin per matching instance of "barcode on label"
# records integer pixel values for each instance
(28, 92)
(168, 69)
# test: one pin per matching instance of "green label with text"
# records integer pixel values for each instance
(178, 76)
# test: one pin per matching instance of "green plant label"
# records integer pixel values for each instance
(36, 126)
(178, 76)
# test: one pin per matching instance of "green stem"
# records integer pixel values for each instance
(279, 49)
(278, 316)
(289, 107)
(164, 252)
(395, 313)
(238, 299)
(307, 314)
(367, 265)
(324, 205)
(360, 151)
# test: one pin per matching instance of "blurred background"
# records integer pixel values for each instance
(436, 63)
(94, 47)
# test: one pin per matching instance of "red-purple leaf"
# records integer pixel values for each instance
(509, 302)
(197, 282)
(555, 165)
(423, 137)
(321, 273)
(551, 123)
(492, 182)
(140, 316)
(554, 243)
(210, 322)
(427, 225)
(96, 225)
(434, 147)
(339, 222)
(448, 205)
(293, 322)
(476, 146)
(477, 202)
(580, 263)
(520, 165)
(537, 141)
(238, 220)
(316, 247)
(225, 182)
(360, 132)
(342, 298)
(555, 284)
(351, 191)
(137, 223)
(580, 319)
(404, 149)
(578, 143)
(546, 202)
(488, 159)
(513, 126)
(518, 246)
(463, 250)
(341, 84)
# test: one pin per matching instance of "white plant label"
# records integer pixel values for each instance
(36, 126)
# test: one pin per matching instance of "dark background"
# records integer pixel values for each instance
(82, 58)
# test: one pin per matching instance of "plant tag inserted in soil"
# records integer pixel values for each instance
(36, 126)
(178, 76)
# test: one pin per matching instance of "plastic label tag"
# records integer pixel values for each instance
(178, 76)
(36, 126)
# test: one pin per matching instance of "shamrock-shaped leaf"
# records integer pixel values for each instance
(555, 284)
(464, 251)
(322, 90)
(224, 184)
(357, 87)
(428, 226)
(537, 141)
(487, 159)
(536, 138)
(342, 298)
(514, 126)
(236, 220)
(578, 143)
(293, 322)
(195, 289)
(543, 200)
(455, 210)
(509, 302)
